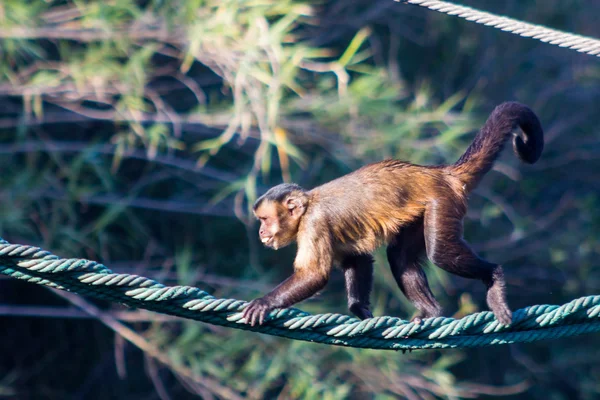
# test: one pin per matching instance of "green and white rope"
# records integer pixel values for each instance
(90, 278)
(580, 43)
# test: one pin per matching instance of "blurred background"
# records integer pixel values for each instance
(136, 133)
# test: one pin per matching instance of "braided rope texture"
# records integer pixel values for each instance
(90, 278)
(580, 43)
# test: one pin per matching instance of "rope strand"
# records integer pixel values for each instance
(580, 43)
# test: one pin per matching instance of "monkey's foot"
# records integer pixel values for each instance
(431, 312)
(496, 299)
(499, 308)
(361, 311)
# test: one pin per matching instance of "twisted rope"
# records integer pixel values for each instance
(580, 43)
(90, 278)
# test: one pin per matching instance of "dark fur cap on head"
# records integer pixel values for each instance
(278, 193)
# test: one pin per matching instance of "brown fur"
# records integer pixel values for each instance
(412, 209)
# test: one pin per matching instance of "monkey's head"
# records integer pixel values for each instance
(279, 212)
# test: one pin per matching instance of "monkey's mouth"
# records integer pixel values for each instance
(267, 241)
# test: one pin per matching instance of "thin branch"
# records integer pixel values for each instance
(119, 351)
(148, 348)
(109, 149)
(541, 224)
(71, 313)
(159, 386)
(194, 208)
(158, 33)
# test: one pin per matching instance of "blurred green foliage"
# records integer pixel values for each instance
(138, 132)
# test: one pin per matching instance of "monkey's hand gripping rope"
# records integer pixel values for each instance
(89, 278)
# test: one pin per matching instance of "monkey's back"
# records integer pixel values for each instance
(367, 208)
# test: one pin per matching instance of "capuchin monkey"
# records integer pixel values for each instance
(413, 209)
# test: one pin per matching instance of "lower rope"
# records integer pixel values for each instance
(580, 43)
(90, 278)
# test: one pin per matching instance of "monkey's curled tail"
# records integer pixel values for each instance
(487, 145)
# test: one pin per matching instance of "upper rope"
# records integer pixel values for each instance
(90, 278)
(580, 43)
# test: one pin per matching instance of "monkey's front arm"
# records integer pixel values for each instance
(298, 287)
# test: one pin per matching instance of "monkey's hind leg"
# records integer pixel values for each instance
(447, 249)
(403, 255)
(358, 274)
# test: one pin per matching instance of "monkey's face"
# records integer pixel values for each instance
(278, 223)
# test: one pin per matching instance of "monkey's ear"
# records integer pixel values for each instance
(296, 204)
